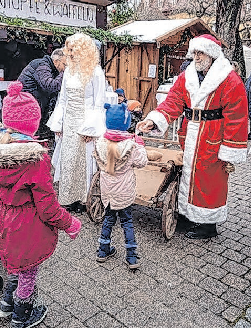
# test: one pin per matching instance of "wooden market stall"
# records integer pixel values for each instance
(156, 55)
(28, 30)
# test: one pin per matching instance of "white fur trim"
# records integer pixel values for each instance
(190, 144)
(203, 215)
(161, 122)
(217, 73)
(17, 153)
(205, 45)
(192, 212)
(233, 155)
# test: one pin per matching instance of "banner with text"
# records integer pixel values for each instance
(64, 12)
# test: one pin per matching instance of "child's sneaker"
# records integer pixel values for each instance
(132, 258)
(133, 264)
(28, 312)
(7, 303)
(5, 309)
(104, 252)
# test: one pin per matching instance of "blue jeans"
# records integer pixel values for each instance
(125, 216)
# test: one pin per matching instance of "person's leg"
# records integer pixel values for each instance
(7, 303)
(25, 313)
(130, 242)
(26, 283)
(105, 250)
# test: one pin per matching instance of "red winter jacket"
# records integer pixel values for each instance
(30, 214)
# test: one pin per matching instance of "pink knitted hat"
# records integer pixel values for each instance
(21, 111)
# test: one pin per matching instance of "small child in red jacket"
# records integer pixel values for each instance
(30, 215)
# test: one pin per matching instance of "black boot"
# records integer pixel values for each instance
(202, 231)
(71, 207)
(1, 284)
(25, 314)
(183, 224)
(80, 208)
(7, 303)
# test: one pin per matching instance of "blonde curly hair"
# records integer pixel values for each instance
(82, 56)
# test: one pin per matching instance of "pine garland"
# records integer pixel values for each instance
(28, 30)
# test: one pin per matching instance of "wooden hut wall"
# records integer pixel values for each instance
(110, 67)
(129, 70)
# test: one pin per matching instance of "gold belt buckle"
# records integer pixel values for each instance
(199, 115)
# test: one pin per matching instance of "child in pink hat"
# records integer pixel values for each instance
(30, 215)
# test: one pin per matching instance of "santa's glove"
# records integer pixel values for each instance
(74, 229)
(229, 168)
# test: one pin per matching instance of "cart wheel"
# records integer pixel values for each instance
(94, 206)
(169, 219)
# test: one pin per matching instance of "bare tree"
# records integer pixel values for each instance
(228, 17)
(245, 25)
(233, 19)
(198, 8)
(150, 10)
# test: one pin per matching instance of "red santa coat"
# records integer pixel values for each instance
(207, 145)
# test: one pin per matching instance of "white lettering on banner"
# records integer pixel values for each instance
(53, 11)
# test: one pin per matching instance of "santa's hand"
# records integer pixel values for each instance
(58, 134)
(145, 126)
(229, 168)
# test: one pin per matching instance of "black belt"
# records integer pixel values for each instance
(197, 115)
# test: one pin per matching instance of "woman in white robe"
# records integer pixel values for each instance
(78, 118)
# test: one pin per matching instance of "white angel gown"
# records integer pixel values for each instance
(79, 111)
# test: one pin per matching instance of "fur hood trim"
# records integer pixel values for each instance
(217, 73)
(125, 148)
(20, 153)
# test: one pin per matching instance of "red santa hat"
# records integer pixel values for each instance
(205, 43)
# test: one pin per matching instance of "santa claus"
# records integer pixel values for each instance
(213, 134)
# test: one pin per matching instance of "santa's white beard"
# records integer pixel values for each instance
(204, 65)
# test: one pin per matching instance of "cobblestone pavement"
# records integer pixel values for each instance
(181, 283)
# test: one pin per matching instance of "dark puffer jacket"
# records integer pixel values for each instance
(41, 78)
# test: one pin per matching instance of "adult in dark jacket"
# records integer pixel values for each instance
(248, 89)
(42, 78)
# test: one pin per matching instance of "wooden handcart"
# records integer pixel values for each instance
(156, 187)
